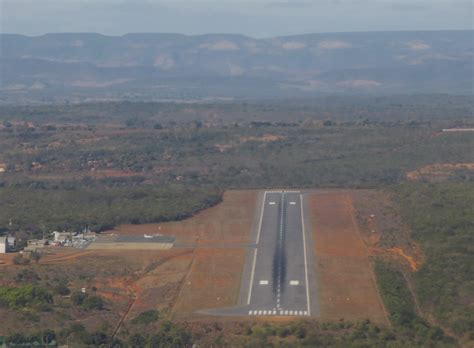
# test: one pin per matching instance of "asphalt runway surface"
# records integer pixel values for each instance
(278, 279)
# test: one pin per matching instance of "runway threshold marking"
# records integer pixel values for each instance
(279, 312)
(256, 249)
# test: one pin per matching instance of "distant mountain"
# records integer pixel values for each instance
(172, 66)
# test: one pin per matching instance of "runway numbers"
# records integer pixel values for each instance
(279, 312)
(294, 282)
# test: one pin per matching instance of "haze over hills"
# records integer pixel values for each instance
(74, 66)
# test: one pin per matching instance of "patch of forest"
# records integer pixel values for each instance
(440, 216)
(68, 166)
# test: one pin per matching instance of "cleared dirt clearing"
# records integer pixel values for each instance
(209, 275)
(347, 284)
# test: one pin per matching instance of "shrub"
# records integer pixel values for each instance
(61, 289)
(97, 339)
(93, 303)
(27, 275)
(147, 317)
(35, 256)
(26, 296)
(170, 336)
(137, 341)
(20, 260)
(78, 298)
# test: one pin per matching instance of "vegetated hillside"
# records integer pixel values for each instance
(100, 157)
(438, 298)
(160, 66)
(441, 218)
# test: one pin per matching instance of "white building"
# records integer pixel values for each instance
(62, 236)
(3, 244)
(11, 243)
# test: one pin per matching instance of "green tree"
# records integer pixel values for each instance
(137, 341)
(93, 303)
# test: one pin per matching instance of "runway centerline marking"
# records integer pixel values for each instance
(280, 246)
(264, 282)
(294, 282)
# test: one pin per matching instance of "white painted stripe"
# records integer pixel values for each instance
(292, 203)
(274, 312)
(264, 282)
(305, 313)
(304, 252)
(256, 249)
(294, 282)
(264, 312)
(259, 312)
(291, 312)
(261, 217)
(251, 276)
(272, 203)
(286, 312)
(301, 312)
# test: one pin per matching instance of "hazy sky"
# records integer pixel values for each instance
(258, 18)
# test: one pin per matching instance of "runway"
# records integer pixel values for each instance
(279, 283)
(279, 277)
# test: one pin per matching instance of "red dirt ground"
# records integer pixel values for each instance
(212, 272)
(347, 283)
(213, 281)
(438, 170)
(229, 222)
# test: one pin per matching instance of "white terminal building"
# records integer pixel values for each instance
(7, 244)
(3, 244)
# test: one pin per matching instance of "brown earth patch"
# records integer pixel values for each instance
(412, 263)
(6, 259)
(213, 281)
(228, 222)
(204, 269)
(111, 173)
(346, 280)
(383, 231)
(264, 138)
(438, 170)
(242, 140)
